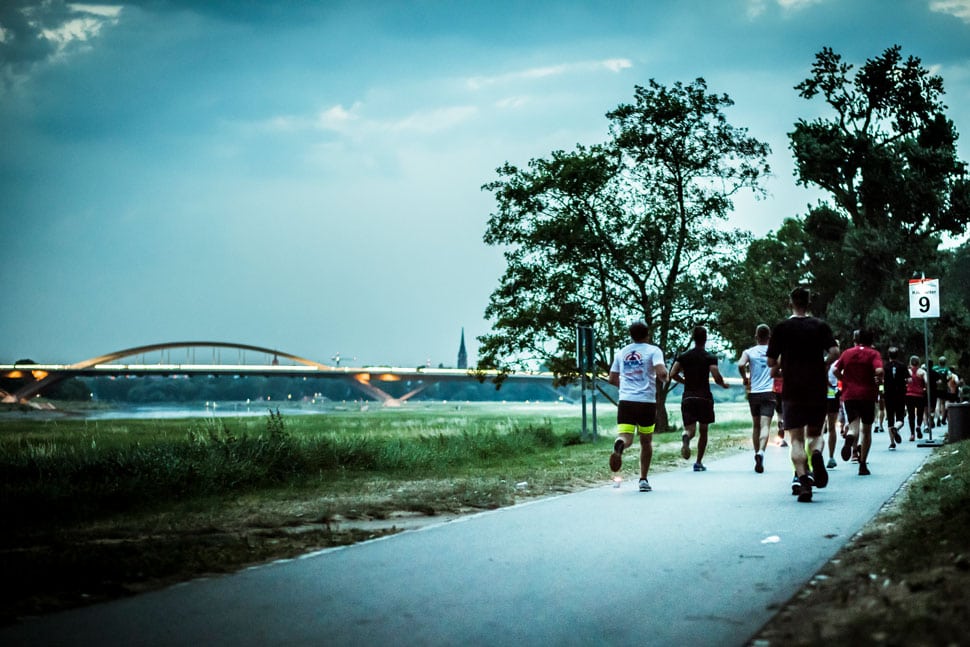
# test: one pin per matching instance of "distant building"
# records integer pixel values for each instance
(462, 354)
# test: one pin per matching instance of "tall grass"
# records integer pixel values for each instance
(56, 476)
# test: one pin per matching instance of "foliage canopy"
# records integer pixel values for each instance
(886, 155)
(629, 229)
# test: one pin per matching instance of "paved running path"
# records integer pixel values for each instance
(704, 559)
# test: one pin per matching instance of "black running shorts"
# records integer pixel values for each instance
(762, 405)
(637, 414)
(799, 414)
(856, 409)
(695, 410)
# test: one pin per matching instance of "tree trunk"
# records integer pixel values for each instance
(663, 419)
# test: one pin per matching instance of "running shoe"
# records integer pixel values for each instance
(685, 446)
(795, 485)
(896, 437)
(864, 470)
(759, 463)
(805, 489)
(699, 468)
(819, 474)
(784, 443)
(832, 464)
(847, 447)
(892, 446)
(645, 485)
(616, 458)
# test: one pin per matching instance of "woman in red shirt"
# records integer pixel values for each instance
(915, 398)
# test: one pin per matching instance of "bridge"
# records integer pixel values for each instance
(36, 378)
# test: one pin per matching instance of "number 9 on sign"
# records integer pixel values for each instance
(924, 298)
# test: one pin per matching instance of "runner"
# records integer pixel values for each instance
(636, 370)
(833, 404)
(895, 395)
(693, 369)
(860, 369)
(915, 398)
(803, 347)
(756, 377)
(777, 386)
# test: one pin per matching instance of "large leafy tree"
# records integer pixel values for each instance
(755, 286)
(629, 229)
(887, 156)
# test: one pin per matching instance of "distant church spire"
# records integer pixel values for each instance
(462, 354)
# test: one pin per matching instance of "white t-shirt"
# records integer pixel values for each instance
(761, 380)
(636, 364)
(834, 381)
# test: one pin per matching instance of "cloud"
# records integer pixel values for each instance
(350, 121)
(613, 65)
(757, 7)
(33, 33)
(510, 103)
(103, 10)
(337, 118)
(796, 5)
(432, 121)
(957, 8)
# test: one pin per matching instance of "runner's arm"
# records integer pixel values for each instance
(774, 366)
(675, 373)
(743, 367)
(718, 378)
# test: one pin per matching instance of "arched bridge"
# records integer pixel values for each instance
(39, 377)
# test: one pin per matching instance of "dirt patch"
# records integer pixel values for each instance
(77, 568)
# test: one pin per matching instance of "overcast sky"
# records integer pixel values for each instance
(306, 176)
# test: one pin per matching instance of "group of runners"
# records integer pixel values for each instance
(819, 386)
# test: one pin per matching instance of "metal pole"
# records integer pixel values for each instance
(582, 379)
(591, 361)
(929, 381)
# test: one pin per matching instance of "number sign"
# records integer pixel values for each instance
(924, 298)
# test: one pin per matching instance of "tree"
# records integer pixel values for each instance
(887, 157)
(754, 288)
(630, 229)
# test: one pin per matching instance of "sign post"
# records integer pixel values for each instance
(586, 362)
(924, 303)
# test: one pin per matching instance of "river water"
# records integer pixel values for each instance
(171, 411)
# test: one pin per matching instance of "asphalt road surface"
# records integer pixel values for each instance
(705, 559)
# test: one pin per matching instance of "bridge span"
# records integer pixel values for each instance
(34, 379)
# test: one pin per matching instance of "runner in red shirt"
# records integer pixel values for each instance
(860, 369)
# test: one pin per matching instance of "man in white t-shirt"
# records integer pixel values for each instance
(757, 379)
(636, 370)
